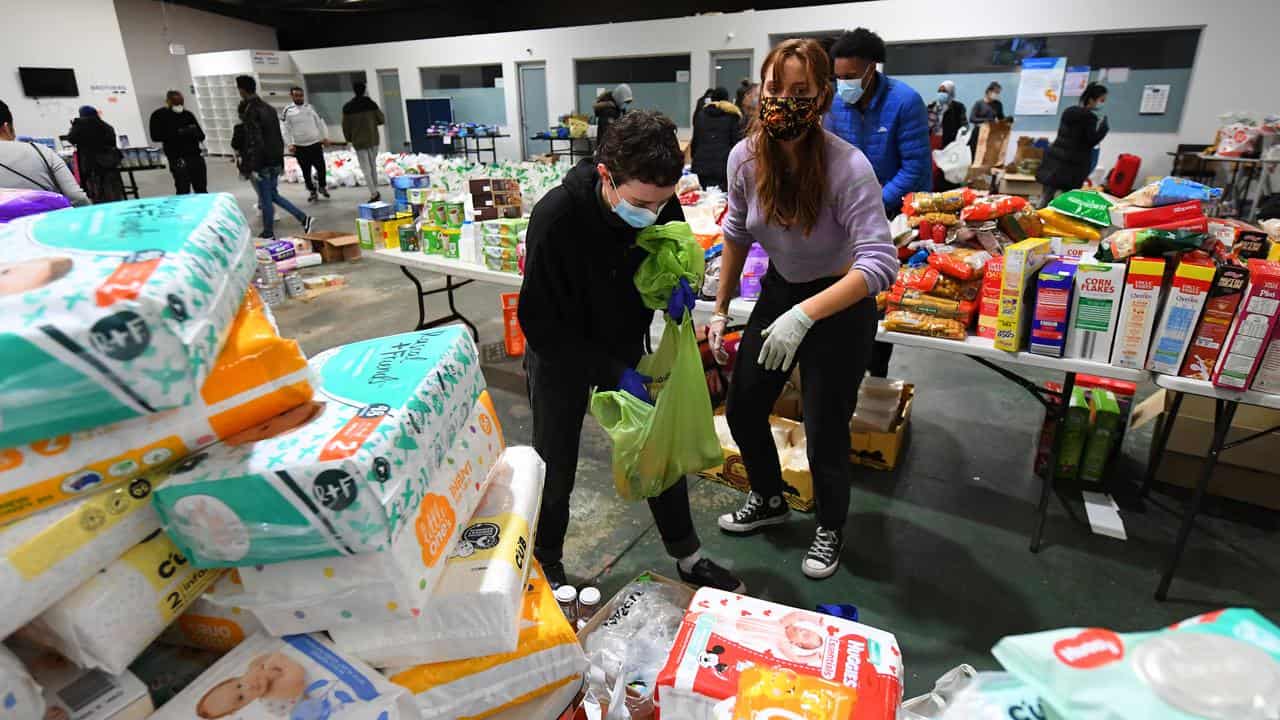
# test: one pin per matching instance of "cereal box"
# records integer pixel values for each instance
(1249, 334)
(1099, 287)
(1021, 261)
(1054, 286)
(1138, 312)
(1191, 282)
(1219, 310)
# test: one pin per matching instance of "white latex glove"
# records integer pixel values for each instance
(782, 338)
(715, 338)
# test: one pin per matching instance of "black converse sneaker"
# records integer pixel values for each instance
(824, 554)
(758, 512)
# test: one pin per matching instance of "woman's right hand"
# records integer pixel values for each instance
(715, 338)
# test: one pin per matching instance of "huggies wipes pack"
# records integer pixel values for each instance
(340, 475)
(300, 677)
(1223, 665)
(115, 311)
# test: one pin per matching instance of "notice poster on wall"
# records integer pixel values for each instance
(1040, 86)
(1155, 99)
(1075, 81)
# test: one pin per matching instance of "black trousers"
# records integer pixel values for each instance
(559, 404)
(189, 173)
(833, 358)
(311, 156)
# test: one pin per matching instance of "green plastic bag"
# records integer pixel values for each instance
(655, 445)
(673, 254)
(1084, 205)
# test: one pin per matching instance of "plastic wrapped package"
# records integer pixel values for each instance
(960, 263)
(878, 388)
(299, 676)
(932, 282)
(108, 621)
(115, 311)
(992, 207)
(921, 324)
(74, 693)
(257, 375)
(993, 696)
(934, 219)
(945, 688)
(1172, 190)
(950, 201)
(342, 474)
(784, 693)
(397, 583)
(547, 659)
(214, 621)
(20, 696)
(1223, 665)
(17, 203)
(475, 609)
(1084, 205)
(51, 553)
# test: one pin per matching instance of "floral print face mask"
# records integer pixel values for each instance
(787, 118)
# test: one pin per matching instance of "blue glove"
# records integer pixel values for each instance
(634, 383)
(682, 300)
(782, 338)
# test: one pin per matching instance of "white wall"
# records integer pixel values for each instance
(1234, 68)
(148, 27)
(79, 34)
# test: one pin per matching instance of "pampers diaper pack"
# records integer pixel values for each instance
(339, 475)
(301, 677)
(214, 621)
(363, 591)
(547, 658)
(115, 311)
(51, 553)
(257, 376)
(108, 621)
(475, 609)
(1223, 665)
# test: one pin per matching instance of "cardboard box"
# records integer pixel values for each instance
(1219, 310)
(989, 300)
(334, 246)
(993, 142)
(621, 603)
(1095, 310)
(478, 186)
(881, 450)
(1193, 430)
(1021, 185)
(1073, 248)
(1138, 312)
(1182, 308)
(1228, 481)
(1054, 286)
(391, 230)
(1021, 261)
(1251, 331)
(369, 233)
(377, 210)
(1267, 378)
(1075, 432)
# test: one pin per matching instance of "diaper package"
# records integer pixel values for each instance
(51, 553)
(547, 659)
(367, 590)
(257, 376)
(19, 695)
(115, 311)
(214, 621)
(108, 621)
(724, 634)
(475, 609)
(74, 693)
(16, 203)
(1223, 665)
(300, 677)
(339, 475)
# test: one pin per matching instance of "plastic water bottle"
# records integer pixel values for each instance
(468, 248)
(753, 271)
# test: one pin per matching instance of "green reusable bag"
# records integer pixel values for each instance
(673, 254)
(656, 445)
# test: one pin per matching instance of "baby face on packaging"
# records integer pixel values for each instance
(23, 275)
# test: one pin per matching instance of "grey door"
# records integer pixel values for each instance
(393, 108)
(729, 69)
(534, 117)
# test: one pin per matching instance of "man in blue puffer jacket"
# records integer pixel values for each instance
(882, 117)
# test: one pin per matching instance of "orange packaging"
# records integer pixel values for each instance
(513, 335)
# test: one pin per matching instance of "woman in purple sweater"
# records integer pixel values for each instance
(813, 202)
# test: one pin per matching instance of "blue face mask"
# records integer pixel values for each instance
(850, 91)
(637, 217)
(943, 98)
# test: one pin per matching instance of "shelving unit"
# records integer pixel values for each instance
(216, 99)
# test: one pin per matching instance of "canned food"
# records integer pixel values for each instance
(451, 239)
(408, 238)
(455, 214)
(432, 242)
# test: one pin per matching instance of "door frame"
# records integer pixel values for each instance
(520, 121)
(404, 109)
(747, 54)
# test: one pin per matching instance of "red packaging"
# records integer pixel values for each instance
(992, 207)
(1136, 217)
(924, 230)
(939, 234)
(1195, 224)
(1246, 241)
(1219, 310)
(1256, 318)
(723, 634)
(989, 300)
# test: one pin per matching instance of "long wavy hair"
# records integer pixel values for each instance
(793, 199)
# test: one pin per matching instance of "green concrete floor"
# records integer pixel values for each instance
(936, 550)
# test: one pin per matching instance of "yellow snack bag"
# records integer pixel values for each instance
(1056, 224)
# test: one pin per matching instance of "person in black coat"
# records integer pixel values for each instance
(177, 129)
(946, 117)
(98, 156)
(716, 129)
(1068, 160)
(610, 106)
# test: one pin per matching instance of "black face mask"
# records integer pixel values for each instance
(787, 118)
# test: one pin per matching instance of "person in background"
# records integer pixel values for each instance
(585, 324)
(176, 128)
(888, 122)
(97, 155)
(984, 110)
(360, 120)
(813, 203)
(32, 166)
(306, 135)
(611, 105)
(743, 88)
(700, 103)
(717, 129)
(1069, 159)
(946, 117)
(261, 149)
(750, 107)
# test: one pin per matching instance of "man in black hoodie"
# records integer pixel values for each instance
(177, 130)
(585, 324)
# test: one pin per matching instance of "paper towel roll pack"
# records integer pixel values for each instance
(108, 621)
(19, 694)
(298, 676)
(475, 609)
(215, 620)
(340, 475)
(257, 376)
(364, 590)
(46, 556)
(115, 311)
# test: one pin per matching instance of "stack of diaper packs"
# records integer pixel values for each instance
(215, 621)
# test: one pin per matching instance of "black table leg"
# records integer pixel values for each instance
(1051, 471)
(1223, 413)
(449, 287)
(422, 298)
(1161, 440)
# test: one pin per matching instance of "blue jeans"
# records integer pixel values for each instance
(266, 182)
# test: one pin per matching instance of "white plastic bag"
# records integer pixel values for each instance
(954, 159)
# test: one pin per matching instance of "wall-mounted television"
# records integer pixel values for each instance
(48, 82)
